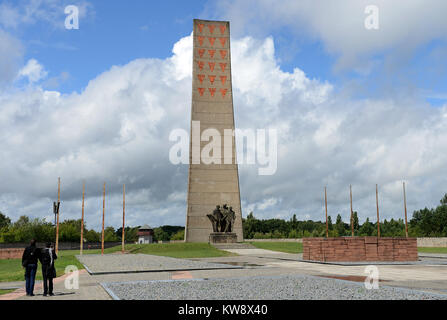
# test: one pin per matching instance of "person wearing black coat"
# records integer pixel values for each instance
(47, 258)
(29, 262)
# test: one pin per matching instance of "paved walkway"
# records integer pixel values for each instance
(251, 263)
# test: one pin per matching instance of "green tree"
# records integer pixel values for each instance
(110, 235)
(355, 220)
(160, 235)
(92, 236)
(180, 235)
(444, 200)
(367, 228)
(329, 223)
(4, 221)
(340, 226)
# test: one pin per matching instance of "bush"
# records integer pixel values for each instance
(180, 235)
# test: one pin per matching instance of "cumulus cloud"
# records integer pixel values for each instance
(33, 71)
(117, 131)
(340, 25)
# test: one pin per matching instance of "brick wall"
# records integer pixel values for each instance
(11, 253)
(360, 249)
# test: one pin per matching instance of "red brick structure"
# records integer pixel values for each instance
(360, 249)
(11, 253)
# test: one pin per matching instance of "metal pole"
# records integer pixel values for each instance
(352, 214)
(377, 204)
(58, 209)
(103, 214)
(82, 219)
(124, 214)
(405, 207)
(325, 204)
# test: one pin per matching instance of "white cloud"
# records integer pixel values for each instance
(117, 131)
(33, 71)
(404, 25)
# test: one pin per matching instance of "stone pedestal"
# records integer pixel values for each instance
(223, 237)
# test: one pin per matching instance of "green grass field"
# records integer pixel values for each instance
(178, 250)
(287, 247)
(5, 291)
(432, 250)
(11, 270)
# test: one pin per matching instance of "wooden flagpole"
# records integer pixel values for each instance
(405, 207)
(103, 214)
(325, 204)
(352, 214)
(377, 204)
(124, 214)
(58, 209)
(82, 219)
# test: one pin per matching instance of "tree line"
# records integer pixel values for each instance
(424, 223)
(25, 229)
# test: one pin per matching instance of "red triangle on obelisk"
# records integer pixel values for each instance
(211, 53)
(200, 40)
(201, 91)
(201, 64)
(223, 53)
(211, 65)
(223, 92)
(200, 26)
(223, 28)
(211, 28)
(212, 78)
(223, 66)
(212, 91)
(211, 40)
(201, 77)
(223, 79)
(223, 41)
(201, 52)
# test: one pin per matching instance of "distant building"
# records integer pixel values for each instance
(145, 234)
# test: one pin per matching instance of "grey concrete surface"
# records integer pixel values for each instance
(285, 287)
(131, 263)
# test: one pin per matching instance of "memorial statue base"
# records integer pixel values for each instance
(223, 237)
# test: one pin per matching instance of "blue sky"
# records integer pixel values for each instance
(357, 106)
(114, 33)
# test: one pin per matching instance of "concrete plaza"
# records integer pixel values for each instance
(425, 279)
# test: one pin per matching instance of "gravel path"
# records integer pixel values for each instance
(294, 287)
(116, 263)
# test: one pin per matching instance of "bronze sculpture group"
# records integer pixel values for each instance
(222, 218)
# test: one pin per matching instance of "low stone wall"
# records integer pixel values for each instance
(11, 253)
(360, 249)
(432, 242)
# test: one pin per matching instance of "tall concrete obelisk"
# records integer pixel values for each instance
(211, 184)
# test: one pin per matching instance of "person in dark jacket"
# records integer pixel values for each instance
(29, 262)
(47, 258)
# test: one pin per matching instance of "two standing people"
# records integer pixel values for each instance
(30, 258)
